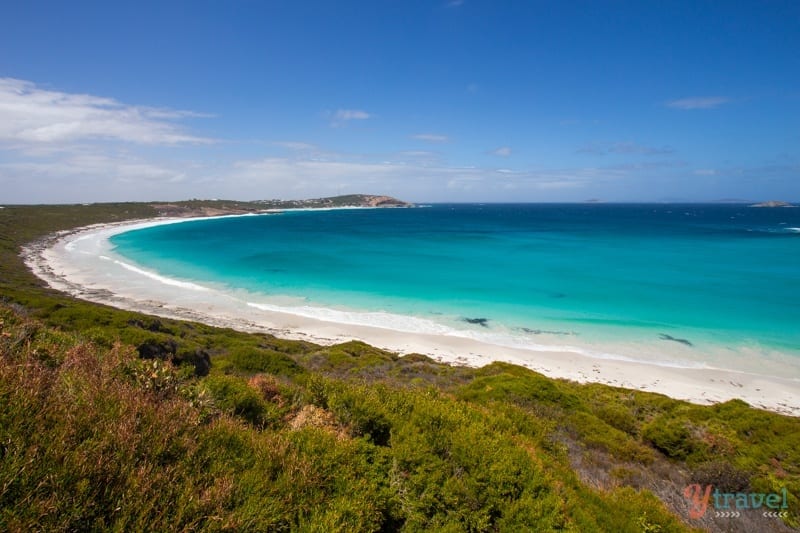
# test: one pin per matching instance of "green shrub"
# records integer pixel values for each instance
(349, 358)
(416, 358)
(595, 433)
(233, 395)
(156, 376)
(618, 416)
(722, 475)
(671, 436)
(251, 359)
(363, 412)
(527, 390)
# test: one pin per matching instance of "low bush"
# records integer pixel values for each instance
(618, 416)
(253, 360)
(519, 386)
(234, 396)
(722, 475)
(671, 436)
(363, 412)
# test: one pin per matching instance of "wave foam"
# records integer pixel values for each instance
(406, 324)
(161, 279)
(423, 326)
(72, 244)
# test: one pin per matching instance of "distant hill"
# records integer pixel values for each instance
(194, 208)
(348, 200)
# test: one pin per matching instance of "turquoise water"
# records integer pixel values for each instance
(692, 274)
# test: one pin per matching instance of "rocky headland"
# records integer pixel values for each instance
(209, 208)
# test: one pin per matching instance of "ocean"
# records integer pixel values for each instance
(684, 285)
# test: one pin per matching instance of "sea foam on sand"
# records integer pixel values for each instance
(82, 263)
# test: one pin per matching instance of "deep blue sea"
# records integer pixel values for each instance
(682, 275)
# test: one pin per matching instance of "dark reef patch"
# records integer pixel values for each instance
(665, 337)
(546, 332)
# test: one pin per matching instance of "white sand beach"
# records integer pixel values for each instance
(82, 263)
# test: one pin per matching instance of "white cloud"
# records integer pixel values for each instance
(279, 169)
(59, 147)
(503, 151)
(422, 154)
(298, 178)
(425, 158)
(63, 147)
(351, 114)
(624, 148)
(87, 176)
(705, 172)
(431, 137)
(341, 117)
(698, 102)
(294, 145)
(95, 166)
(32, 115)
(173, 114)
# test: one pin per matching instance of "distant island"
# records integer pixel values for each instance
(773, 203)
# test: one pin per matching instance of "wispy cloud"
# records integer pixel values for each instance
(455, 3)
(351, 114)
(295, 145)
(91, 166)
(426, 154)
(624, 148)
(407, 179)
(431, 137)
(86, 176)
(418, 157)
(698, 102)
(31, 114)
(60, 146)
(705, 172)
(503, 151)
(341, 117)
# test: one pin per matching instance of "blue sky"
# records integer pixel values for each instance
(424, 100)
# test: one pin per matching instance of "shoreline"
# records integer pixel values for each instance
(80, 262)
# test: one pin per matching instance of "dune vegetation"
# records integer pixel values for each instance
(114, 420)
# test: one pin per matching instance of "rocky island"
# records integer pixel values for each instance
(773, 203)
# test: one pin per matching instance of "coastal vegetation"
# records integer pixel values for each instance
(111, 419)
